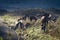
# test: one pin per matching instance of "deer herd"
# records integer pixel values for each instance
(44, 20)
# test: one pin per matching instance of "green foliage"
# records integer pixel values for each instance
(1, 38)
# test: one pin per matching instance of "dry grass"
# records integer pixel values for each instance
(34, 32)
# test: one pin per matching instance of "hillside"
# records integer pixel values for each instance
(33, 32)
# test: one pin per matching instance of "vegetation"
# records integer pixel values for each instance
(34, 32)
(1, 38)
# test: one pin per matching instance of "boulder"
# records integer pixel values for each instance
(7, 34)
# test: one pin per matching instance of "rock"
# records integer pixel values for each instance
(7, 34)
